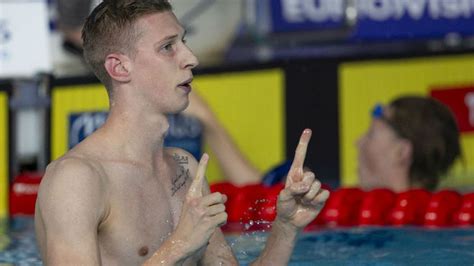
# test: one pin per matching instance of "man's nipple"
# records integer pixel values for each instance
(143, 251)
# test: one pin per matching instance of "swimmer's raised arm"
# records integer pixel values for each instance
(201, 216)
(298, 204)
(70, 206)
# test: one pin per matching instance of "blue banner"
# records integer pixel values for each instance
(377, 19)
(83, 124)
(185, 132)
(303, 15)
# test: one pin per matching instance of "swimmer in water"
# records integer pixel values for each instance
(411, 143)
(119, 197)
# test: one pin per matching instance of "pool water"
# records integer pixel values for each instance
(371, 246)
(18, 243)
(344, 246)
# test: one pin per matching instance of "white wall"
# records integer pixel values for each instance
(214, 29)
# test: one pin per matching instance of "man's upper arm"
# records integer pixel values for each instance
(71, 205)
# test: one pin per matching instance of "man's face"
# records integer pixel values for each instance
(161, 69)
(377, 156)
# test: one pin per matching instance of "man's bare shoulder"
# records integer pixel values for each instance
(72, 176)
(71, 166)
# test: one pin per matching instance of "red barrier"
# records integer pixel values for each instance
(242, 205)
(238, 203)
(250, 205)
(376, 207)
(266, 209)
(342, 207)
(23, 193)
(409, 207)
(465, 215)
(253, 207)
(442, 206)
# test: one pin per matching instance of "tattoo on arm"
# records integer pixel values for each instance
(182, 175)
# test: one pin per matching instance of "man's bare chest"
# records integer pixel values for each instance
(142, 214)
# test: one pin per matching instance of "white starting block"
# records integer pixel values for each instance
(24, 33)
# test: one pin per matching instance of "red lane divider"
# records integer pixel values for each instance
(410, 207)
(442, 206)
(266, 208)
(253, 207)
(465, 215)
(354, 207)
(342, 207)
(376, 206)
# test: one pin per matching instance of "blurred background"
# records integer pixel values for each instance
(269, 69)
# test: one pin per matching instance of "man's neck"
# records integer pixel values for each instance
(137, 134)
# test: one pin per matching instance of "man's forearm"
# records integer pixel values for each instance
(279, 246)
(170, 253)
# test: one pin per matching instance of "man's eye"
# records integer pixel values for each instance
(168, 47)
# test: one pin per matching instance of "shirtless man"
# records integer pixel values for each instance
(119, 197)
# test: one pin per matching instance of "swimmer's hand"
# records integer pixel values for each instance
(201, 214)
(302, 198)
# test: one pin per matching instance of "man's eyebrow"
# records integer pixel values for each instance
(168, 38)
(172, 37)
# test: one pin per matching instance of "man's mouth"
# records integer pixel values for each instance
(186, 84)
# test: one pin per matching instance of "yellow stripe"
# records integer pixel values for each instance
(4, 158)
(250, 105)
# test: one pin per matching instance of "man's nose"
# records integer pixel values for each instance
(189, 61)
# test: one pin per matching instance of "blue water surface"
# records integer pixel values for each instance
(343, 246)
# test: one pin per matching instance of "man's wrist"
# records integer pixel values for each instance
(179, 248)
(172, 252)
(285, 227)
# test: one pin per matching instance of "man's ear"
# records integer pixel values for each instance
(118, 66)
(405, 152)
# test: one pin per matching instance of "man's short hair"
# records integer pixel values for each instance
(110, 28)
(432, 130)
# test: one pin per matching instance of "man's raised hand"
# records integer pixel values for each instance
(302, 198)
(201, 214)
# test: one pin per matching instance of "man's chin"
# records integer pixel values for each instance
(179, 109)
(184, 106)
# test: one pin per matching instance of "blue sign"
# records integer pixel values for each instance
(378, 19)
(299, 15)
(83, 124)
(184, 132)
